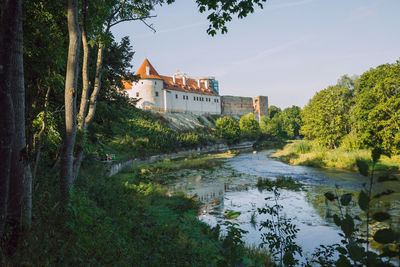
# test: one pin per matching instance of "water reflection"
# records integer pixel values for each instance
(232, 188)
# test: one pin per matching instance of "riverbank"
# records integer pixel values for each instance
(129, 219)
(301, 152)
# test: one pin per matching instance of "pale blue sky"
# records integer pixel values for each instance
(287, 51)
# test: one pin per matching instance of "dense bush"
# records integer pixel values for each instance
(228, 129)
(249, 127)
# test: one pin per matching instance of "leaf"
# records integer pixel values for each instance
(347, 225)
(362, 166)
(385, 236)
(330, 196)
(356, 252)
(381, 216)
(345, 199)
(363, 200)
(337, 220)
(341, 250)
(342, 262)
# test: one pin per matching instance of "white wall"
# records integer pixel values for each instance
(171, 100)
(150, 93)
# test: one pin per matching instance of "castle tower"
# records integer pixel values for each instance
(260, 104)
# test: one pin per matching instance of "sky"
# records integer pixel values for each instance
(287, 51)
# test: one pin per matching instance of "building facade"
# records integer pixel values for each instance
(180, 93)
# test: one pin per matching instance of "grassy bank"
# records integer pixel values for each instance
(307, 153)
(128, 220)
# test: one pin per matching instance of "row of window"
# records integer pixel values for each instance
(195, 98)
(198, 98)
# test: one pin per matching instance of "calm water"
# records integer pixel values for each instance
(232, 187)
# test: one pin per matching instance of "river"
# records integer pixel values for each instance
(232, 187)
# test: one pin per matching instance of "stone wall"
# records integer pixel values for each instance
(260, 106)
(115, 167)
(239, 105)
(236, 105)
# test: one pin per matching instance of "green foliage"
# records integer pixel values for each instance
(352, 252)
(249, 126)
(228, 129)
(326, 117)
(375, 110)
(270, 128)
(273, 111)
(280, 182)
(281, 233)
(291, 122)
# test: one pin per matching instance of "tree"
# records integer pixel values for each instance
(228, 129)
(110, 14)
(71, 86)
(326, 116)
(290, 122)
(377, 106)
(16, 195)
(273, 111)
(271, 128)
(249, 126)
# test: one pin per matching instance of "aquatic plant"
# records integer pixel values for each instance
(355, 247)
(286, 182)
(281, 233)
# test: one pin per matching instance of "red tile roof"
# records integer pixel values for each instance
(190, 87)
(142, 71)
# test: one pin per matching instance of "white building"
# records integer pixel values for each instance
(178, 93)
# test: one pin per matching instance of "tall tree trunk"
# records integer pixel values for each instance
(8, 33)
(97, 85)
(89, 115)
(71, 80)
(85, 71)
(20, 186)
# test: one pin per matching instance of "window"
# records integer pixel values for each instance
(137, 94)
(156, 93)
(194, 98)
(176, 96)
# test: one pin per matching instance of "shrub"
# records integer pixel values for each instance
(228, 129)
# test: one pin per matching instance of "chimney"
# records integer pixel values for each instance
(147, 71)
(173, 78)
(184, 80)
(198, 83)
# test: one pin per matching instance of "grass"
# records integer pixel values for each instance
(126, 220)
(310, 154)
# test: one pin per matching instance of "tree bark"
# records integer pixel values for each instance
(85, 71)
(89, 114)
(71, 80)
(20, 184)
(8, 33)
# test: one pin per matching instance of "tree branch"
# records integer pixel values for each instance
(133, 19)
